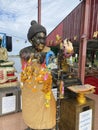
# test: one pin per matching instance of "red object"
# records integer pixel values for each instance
(92, 81)
(10, 74)
(1, 75)
(24, 64)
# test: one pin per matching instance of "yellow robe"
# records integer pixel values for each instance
(35, 114)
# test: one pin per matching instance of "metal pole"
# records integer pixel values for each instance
(39, 11)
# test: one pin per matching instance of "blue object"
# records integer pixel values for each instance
(48, 55)
(3, 35)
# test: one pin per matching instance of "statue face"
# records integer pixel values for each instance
(38, 41)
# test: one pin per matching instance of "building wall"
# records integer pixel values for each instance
(71, 26)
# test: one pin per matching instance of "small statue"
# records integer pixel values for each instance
(7, 69)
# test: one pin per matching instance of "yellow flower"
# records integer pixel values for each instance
(47, 95)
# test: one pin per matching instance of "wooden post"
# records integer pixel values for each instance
(83, 43)
(39, 11)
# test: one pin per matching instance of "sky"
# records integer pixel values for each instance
(16, 15)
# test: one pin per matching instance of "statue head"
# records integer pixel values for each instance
(37, 35)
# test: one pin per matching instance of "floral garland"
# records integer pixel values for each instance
(33, 75)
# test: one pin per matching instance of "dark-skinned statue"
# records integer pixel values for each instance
(38, 102)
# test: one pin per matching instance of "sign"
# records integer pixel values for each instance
(8, 104)
(85, 120)
(54, 90)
